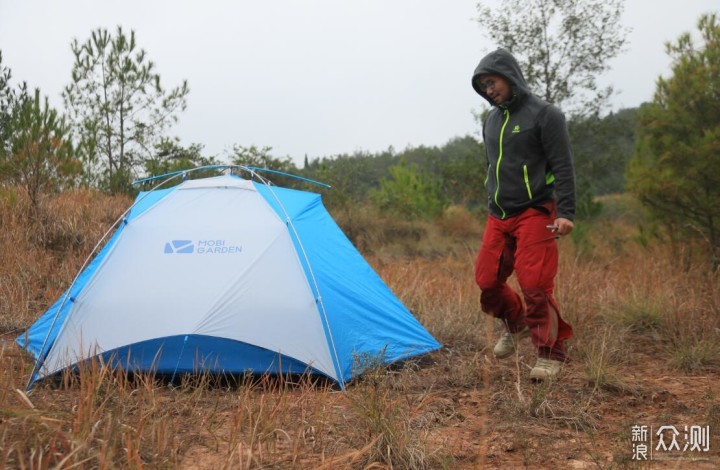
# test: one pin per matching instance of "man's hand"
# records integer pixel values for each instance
(563, 226)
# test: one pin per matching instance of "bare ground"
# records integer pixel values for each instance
(572, 424)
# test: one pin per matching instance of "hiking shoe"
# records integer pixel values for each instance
(507, 343)
(545, 369)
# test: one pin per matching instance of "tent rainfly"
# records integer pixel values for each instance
(226, 275)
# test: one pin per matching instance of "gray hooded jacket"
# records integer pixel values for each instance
(527, 146)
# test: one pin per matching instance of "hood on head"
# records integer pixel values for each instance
(500, 62)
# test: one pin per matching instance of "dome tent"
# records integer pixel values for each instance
(230, 275)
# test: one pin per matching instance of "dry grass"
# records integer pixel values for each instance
(646, 351)
(41, 253)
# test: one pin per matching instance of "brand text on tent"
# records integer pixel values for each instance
(216, 247)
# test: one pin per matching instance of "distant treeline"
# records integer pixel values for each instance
(455, 172)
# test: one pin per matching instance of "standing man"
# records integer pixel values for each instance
(531, 196)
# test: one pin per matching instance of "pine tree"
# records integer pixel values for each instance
(118, 107)
(676, 169)
(39, 154)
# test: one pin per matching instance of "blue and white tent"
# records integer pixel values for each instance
(225, 274)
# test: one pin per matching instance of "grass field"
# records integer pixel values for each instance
(646, 352)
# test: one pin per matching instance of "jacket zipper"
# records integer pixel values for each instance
(527, 181)
(497, 166)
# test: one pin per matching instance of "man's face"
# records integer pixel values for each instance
(496, 87)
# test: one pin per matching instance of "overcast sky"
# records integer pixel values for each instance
(314, 77)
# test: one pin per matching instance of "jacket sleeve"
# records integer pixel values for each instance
(556, 144)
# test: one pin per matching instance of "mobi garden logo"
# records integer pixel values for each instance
(201, 247)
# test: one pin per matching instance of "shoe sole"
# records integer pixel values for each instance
(543, 378)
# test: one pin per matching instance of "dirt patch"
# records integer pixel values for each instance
(514, 423)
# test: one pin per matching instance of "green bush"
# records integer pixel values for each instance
(411, 193)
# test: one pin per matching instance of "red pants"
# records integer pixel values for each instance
(524, 244)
